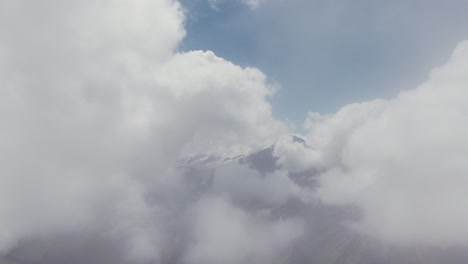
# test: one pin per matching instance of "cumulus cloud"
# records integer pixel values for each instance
(402, 161)
(116, 148)
(296, 156)
(96, 107)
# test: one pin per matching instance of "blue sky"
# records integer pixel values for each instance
(326, 54)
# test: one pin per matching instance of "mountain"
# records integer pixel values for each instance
(327, 237)
(249, 182)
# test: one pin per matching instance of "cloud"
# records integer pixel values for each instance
(240, 183)
(251, 4)
(401, 161)
(96, 107)
(224, 233)
(296, 156)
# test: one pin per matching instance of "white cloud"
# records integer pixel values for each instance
(403, 161)
(226, 234)
(238, 182)
(295, 156)
(252, 4)
(96, 105)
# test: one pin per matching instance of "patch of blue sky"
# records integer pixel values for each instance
(326, 54)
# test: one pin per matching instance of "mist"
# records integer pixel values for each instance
(115, 147)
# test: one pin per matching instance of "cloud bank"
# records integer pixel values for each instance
(96, 107)
(116, 148)
(401, 161)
